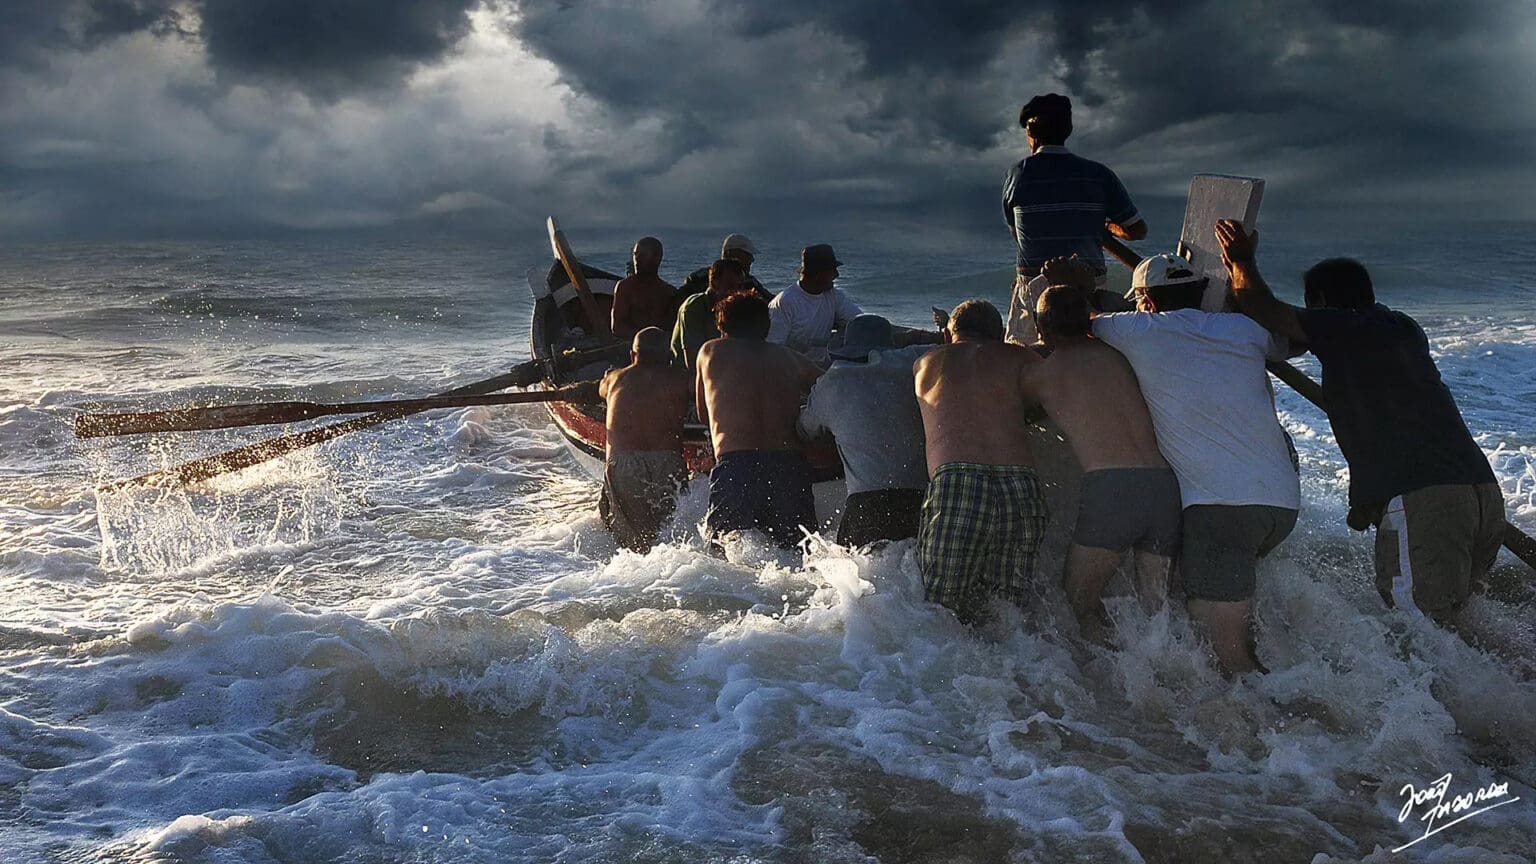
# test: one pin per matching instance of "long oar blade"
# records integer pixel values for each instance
(264, 413)
(209, 467)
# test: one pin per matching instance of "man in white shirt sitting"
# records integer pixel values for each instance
(1203, 377)
(805, 315)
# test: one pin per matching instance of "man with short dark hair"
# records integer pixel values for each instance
(695, 323)
(643, 299)
(1058, 204)
(647, 401)
(866, 402)
(1203, 377)
(748, 393)
(1415, 471)
(984, 513)
(1129, 497)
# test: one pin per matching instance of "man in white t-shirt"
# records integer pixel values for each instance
(805, 314)
(1203, 377)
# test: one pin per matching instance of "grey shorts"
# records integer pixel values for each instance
(1434, 546)
(1129, 508)
(1223, 544)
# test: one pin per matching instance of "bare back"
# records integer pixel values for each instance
(1091, 392)
(972, 404)
(646, 407)
(749, 391)
(640, 302)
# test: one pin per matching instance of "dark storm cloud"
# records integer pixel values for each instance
(327, 47)
(694, 111)
(330, 46)
(1358, 92)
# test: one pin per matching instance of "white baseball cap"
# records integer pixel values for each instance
(738, 241)
(1163, 269)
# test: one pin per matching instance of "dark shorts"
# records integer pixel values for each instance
(769, 490)
(1223, 544)
(885, 514)
(980, 534)
(1434, 545)
(1129, 508)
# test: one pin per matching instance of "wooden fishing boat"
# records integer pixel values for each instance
(559, 327)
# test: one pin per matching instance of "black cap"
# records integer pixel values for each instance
(814, 259)
(1049, 105)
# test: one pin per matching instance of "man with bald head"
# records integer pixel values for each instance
(643, 299)
(647, 401)
(984, 513)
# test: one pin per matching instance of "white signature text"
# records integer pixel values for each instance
(1434, 805)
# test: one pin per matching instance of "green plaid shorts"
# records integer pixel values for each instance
(980, 534)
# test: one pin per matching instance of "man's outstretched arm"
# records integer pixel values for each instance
(1238, 250)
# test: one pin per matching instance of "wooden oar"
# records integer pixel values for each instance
(265, 413)
(208, 467)
(1515, 540)
(597, 322)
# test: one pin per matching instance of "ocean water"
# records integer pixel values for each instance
(417, 643)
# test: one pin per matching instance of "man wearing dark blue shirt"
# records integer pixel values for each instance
(1058, 204)
(1415, 471)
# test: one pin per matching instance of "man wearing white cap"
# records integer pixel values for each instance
(1203, 377)
(735, 247)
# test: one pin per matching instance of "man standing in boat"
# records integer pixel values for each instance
(735, 247)
(866, 402)
(1129, 497)
(1415, 472)
(748, 392)
(1058, 204)
(695, 322)
(647, 401)
(984, 513)
(1203, 377)
(643, 299)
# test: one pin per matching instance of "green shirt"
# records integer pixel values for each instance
(696, 324)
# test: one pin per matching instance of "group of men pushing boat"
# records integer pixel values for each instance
(1167, 408)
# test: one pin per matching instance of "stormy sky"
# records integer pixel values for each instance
(167, 116)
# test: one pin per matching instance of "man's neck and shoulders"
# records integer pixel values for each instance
(1056, 156)
(644, 282)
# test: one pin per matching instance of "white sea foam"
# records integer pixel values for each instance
(419, 644)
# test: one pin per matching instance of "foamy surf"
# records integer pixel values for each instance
(419, 644)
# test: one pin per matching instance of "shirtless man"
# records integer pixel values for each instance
(1129, 496)
(645, 469)
(749, 393)
(644, 299)
(984, 514)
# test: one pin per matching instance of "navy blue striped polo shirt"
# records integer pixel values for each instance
(1056, 202)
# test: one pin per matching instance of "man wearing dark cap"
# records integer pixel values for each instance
(805, 314)
(1058, 204)
(866, 401)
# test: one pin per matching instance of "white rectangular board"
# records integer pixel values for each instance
(1213, 197)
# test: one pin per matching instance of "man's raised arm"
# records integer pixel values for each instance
(1238, 250)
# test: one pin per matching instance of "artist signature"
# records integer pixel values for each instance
(1436, 806)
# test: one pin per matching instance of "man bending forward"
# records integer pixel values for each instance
(984, 513)
(646, 403)
(749, 393)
